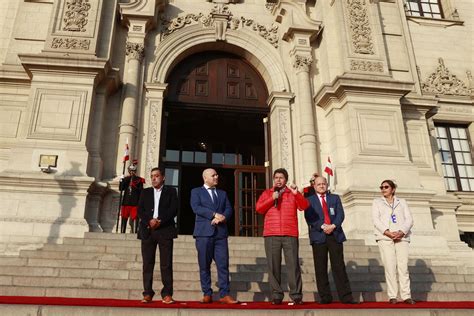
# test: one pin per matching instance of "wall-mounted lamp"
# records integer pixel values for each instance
(48, 163)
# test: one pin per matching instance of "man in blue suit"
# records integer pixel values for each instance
(324, 217)
(212, 209)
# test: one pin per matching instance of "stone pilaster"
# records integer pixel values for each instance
(153, 113)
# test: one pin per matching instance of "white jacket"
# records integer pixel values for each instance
(382, 217)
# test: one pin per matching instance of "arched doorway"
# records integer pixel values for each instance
(214, 115)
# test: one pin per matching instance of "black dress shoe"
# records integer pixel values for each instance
(276, 301)
(350, 302)
(409, 301)
(393, 301)
(296, 301)
(325, 302)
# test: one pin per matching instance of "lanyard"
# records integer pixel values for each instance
(393, 217)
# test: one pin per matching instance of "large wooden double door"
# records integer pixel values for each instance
(214, 118)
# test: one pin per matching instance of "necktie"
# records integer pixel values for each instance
(214, 196)
(327, 219)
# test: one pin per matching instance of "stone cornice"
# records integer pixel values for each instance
(13, 73)
(275, 95)
(375, 85)
(30, 182)
(97, 68)
(143, 10)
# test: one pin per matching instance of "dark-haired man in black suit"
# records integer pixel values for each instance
(157, 208)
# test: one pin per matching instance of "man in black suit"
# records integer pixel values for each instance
(157, 208)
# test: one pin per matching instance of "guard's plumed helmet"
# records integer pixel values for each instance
(132, 168)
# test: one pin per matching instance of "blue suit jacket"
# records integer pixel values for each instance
(315, 218)
(204, 208)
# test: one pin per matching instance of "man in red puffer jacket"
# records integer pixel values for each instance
(279, 205)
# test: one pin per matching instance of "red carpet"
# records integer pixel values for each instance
(33, 300)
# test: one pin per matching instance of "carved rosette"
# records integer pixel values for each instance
(443, 82)
(302, 63)
(369, 66)
(361, 33)
(135, 51)
(270, 34)
(75, 17)
(70, 43)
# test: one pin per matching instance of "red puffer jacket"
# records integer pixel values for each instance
(281, 220)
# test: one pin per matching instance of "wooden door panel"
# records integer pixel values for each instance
(217, 79)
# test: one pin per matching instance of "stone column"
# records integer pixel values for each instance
(304, 102)
(132, 78)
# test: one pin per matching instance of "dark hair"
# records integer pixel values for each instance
(282, 171)
(158, 169)
(390, 183)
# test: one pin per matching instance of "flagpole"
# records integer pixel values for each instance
(120, 200)
(125, 158)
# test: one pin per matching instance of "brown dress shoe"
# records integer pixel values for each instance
(393, 301)
(409, 301)
(206, 299)
(228, 300)
(167, 299)
(147, 298)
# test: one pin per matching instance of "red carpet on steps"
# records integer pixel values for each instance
(34, 300)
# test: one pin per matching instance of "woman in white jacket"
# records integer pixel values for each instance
(393, 222)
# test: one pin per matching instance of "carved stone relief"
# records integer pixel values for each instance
(361, 33)
(370, 66)
(135, 50)
(284, 141)
(75, 17)
(70, 43)
(152, 148)
(443, 82)
(222, 19)
(302, 63)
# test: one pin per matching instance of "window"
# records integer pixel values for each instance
(456, 156)
(424, 8)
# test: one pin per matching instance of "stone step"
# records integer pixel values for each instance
(188, 251)
(184, 272)
(304, 245)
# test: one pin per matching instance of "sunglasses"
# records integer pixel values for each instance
(382, 187)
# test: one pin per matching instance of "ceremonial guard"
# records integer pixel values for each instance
(130, 187)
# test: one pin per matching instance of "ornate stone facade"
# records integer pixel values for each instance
(75, 16)
(442, 81)
(70, 43)
(79, 82)
(361, 32)
(302, 63)
(226, 21)
(135, 50)
(363, 65)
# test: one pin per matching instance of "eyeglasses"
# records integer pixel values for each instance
(382, 187)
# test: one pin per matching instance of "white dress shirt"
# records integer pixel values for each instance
(209, 190)
(157, 195)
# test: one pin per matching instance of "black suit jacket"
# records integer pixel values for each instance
(167, 211)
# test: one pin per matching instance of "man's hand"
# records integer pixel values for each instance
(218, 218)
(154, 223)
(276, 195)
(328, 229)
(294, 189)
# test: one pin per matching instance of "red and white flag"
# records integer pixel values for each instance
(126, 155)
(328, 168)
